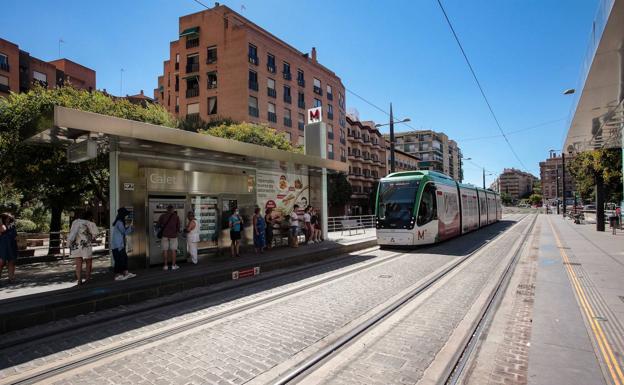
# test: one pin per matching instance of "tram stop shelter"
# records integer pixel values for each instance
(153, 167)
(597, 117)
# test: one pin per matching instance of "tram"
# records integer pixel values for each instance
(424, 207)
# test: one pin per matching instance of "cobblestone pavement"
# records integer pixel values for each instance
(409, 342)
(238, 348)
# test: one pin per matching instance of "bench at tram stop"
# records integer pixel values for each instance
(350, 225)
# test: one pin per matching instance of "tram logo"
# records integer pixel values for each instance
(315, 115)
(421, 234)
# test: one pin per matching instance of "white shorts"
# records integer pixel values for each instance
(169, 244)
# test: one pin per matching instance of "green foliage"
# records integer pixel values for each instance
(606, 164)
(10, 198)
(339, 190)
(506, 199)
(253, 133)
(25, 225)
(197, 125)
(41, 172)
(535, 199)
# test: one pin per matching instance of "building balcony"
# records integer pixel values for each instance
(318, 90)
(177, 87)
(192, 43)
(253, 111)
(42, 83)
(301, 126)
(272, 92)
(287, 99)
(287, 75)
(212, 85)
(176, 66)
(330, 135)
(253, 85)
(177, 109)
(5, 67)
(366, 140)
(301, 82)
(192, 92)
(287, 122)
(271, 68)
(343, 141)
(301, 104)
(330, 96)
(211, 60)
(330, 155)
(272, 117)
(330, 115)
(343, 158)
(192, 67)
(253, 60)
(192, 117)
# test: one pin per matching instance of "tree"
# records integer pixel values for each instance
(535, 199)
(41, 172)
(197, 125)
(338, 190)
(506, 199)
(602, 166)
(253, 133)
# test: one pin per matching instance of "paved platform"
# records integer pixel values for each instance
(561, 320)
(47, 291)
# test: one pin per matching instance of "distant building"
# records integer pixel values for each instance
(19, 71)
(402, 160)
(366, 150)
(140, 98)
(552, 168)
(434, 150)
(225, 66)
(516, 183)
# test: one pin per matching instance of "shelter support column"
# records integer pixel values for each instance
(113, 182)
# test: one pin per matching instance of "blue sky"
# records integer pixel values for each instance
(525, 53)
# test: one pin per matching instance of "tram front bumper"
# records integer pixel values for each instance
(394, 238)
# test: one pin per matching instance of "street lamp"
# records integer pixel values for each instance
(391, 124)
(569, 91)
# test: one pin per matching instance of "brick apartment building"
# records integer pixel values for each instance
(366, 151)
(402, 160)
(518, 184)
(548, 178)
(19, 71)
(434, 150)
(225, 66)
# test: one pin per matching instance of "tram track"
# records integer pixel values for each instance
(61, 367)
(307, 367)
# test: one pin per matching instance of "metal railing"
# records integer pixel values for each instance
(39, 244)
(335, 223)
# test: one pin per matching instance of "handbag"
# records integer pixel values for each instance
(159, 234)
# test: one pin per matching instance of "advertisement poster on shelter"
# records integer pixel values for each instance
(281, 191)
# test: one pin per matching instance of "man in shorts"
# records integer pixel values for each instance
(169, 222)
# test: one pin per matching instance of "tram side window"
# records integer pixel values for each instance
(428, 208)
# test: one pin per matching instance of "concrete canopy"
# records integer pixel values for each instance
(71, 126)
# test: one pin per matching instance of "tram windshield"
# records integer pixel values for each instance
(396, 202)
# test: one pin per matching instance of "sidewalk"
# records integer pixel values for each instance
(47, 291)
(578, 316)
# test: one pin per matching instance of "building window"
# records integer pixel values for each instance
(253, 80)
(271, 88)
(300, 78)
(192, 111)
(343, 154)
(330, 95)
(4, 62)
(330, 131)
(330, 112)
(287, 118)
(212, 105)
(272, 116)
(317, 87)
(301, 122)
(212, 79)
(41, 78)
(287, 136)
(342, 136)
(317, 103)
(192, 41)
(253, 106)
(177, 62)
(4, 84)
(301, 140)
(301, 100)
(287, 96)
(271, 63)
(341, 100)
(192, 87)
(177, 83)
(192, 63)
(286, 71)
(253, 54)
(330, 151)
(211, 57)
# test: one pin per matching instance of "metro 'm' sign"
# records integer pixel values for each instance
(315, 115)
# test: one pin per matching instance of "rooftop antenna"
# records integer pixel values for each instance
(59, 46)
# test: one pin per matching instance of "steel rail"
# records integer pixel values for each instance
(453, 376)
(299, 370)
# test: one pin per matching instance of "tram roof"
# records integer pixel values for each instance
(66, 126)
(433, 175)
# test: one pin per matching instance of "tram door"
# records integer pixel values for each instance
(157, 207)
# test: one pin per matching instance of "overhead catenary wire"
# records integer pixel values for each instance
(549, 122)
(474, 75)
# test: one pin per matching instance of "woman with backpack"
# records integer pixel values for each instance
(81, 235)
